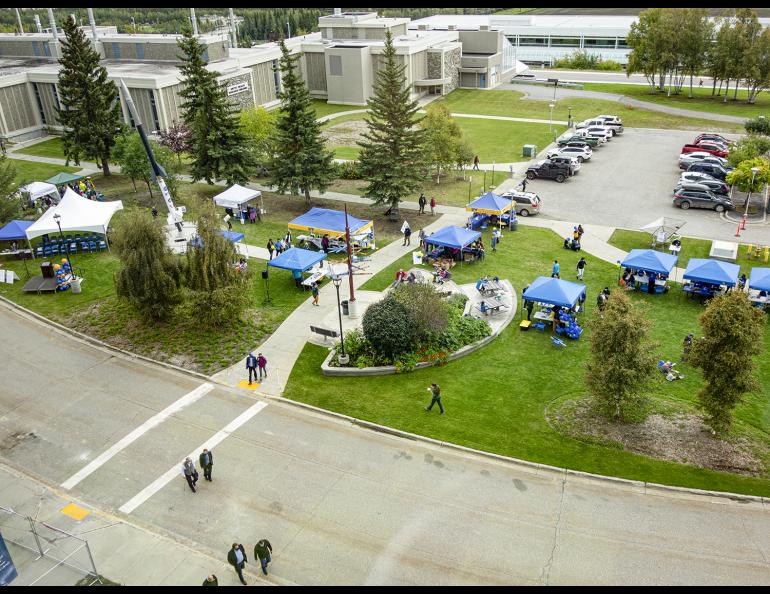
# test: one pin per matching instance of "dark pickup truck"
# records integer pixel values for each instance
(550, 170)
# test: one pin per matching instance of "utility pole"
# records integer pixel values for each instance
(18, 20)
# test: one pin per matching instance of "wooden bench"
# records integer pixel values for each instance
(326, 333)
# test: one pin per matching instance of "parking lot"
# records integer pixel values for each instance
(629, 182)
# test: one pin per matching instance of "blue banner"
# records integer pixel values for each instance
(7, 568)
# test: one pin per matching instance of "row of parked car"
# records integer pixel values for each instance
(576, 147)
(703, 185)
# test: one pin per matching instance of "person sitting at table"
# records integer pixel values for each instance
(483, 307)
(651, 283)
(14, 246)
(481, 284)
(742, 282)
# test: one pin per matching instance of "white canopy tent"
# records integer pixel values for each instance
(663, 229)
(77, 214)
(39, 189)
(236, 197)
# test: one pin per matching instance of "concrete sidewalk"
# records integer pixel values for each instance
(122, 551)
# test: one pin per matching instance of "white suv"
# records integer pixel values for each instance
(581, 153)
(613, 122)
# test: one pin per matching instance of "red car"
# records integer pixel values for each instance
(706, 147)
(715, 137)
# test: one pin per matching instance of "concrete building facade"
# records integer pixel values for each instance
(339, 64)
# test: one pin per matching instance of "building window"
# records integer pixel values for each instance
(600, 43)
(533, 41)
(140, 51)
(154, 109)
(39, 104)
(276, 77)
(622, 43)
(335, 65)
(47, 50)
(565, 42)
(36, 48)
(116, 51)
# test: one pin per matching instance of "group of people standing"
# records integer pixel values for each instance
(422, 202)
(280, 245)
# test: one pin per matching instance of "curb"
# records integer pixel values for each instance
(649, 488)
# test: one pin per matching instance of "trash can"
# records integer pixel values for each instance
(530, 150)
(514, 225)
(345, 309)
(75, 285)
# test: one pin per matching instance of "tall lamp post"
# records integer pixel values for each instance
(550, 118)
(337, 280)
(57, 218)
(754, 171)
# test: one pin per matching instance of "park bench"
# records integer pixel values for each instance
(325, 332)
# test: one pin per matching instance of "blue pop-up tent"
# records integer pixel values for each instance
(297, 259)
(490, 203)
(760, 279)
(712, 272)
(331, 222)
(228, 235)
(555, 291)
(650, 261)
(15, 230)
(453, 237)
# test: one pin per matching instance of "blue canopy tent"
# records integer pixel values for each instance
(331, 222)
(298, 261)
(650, 261)
(228, 235)
(760, 279)
(555, 291)
(489, 204)
(712, 272)
(453, 237)
(16, 230)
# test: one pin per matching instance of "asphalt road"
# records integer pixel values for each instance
(629, 183)
(342, 504)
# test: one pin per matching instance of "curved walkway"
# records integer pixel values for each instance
(542, 93)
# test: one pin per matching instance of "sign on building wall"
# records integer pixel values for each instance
(237, 88)
(7, 568)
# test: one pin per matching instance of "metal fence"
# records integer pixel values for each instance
(50, 556)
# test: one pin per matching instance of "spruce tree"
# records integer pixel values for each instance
(393, 153)
(300, 161)
(10, 203)
(218, 145)
(90, 110)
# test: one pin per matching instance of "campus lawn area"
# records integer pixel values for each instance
(451, 190)
(497, 398)
(29, 171)
(496, 141)
(691, 248)
(512, 104)
(702, 99)
(322, 108)
(52, 148)
(349, 153)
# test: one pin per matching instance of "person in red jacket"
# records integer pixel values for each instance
(433, 205)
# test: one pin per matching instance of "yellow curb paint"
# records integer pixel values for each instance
(245, 385)
(74, 511)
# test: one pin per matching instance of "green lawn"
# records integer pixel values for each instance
(29, 171)
(347, 152)
(691, 248)
(511, 104)
(496, 399)
(52, 148)
(702, 100)
(322, 108)
(502, 142)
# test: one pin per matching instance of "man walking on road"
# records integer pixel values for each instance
(237, 558)
(436, 399)
(422, 201)
(262, 363)
(190, 473)
(210, 581)
(581, 266)
(523, 185)
(262, 552)
(251, 365)
(206, 460)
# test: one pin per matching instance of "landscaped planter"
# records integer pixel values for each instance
(326, 369)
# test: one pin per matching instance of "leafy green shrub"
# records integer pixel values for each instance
(582, 60)
(609, 65)
(388, 327)
(428, 312)
(348, 170)
(406, 362)
(758, 125)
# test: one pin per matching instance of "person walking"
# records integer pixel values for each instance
(523, 184)
(262, 363)
(236, 557)
(210, 581)
(495, 238)
(422, 201)
(476, 163)
(262, 552)
(436, 398)
(422, 237)
(433, 205)
(555, 269)
(581, 266)
(315, 293)
(407, 231)
(251, 365)
(270, 247)
(206, 460)
(190, 473)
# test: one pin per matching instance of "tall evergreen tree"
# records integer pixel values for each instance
(90, 107)
(10, 204)
(300, 161)
(392, 154)
(218, 145)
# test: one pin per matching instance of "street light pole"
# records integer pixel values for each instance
(57, 218)
(550, 118)
(337, 280)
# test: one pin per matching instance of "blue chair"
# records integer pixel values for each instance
(92, 246)
(102, 245)
(73, 248)
(39, 251)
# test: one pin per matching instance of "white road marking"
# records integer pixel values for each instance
(150, 423)
(175, 471)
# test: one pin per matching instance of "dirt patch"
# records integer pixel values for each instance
(345, 133)
(675, 436)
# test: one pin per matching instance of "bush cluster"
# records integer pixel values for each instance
(582, 60)
(348, 170)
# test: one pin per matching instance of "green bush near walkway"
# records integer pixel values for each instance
(498, 398)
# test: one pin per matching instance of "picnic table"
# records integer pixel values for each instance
(491, 308)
